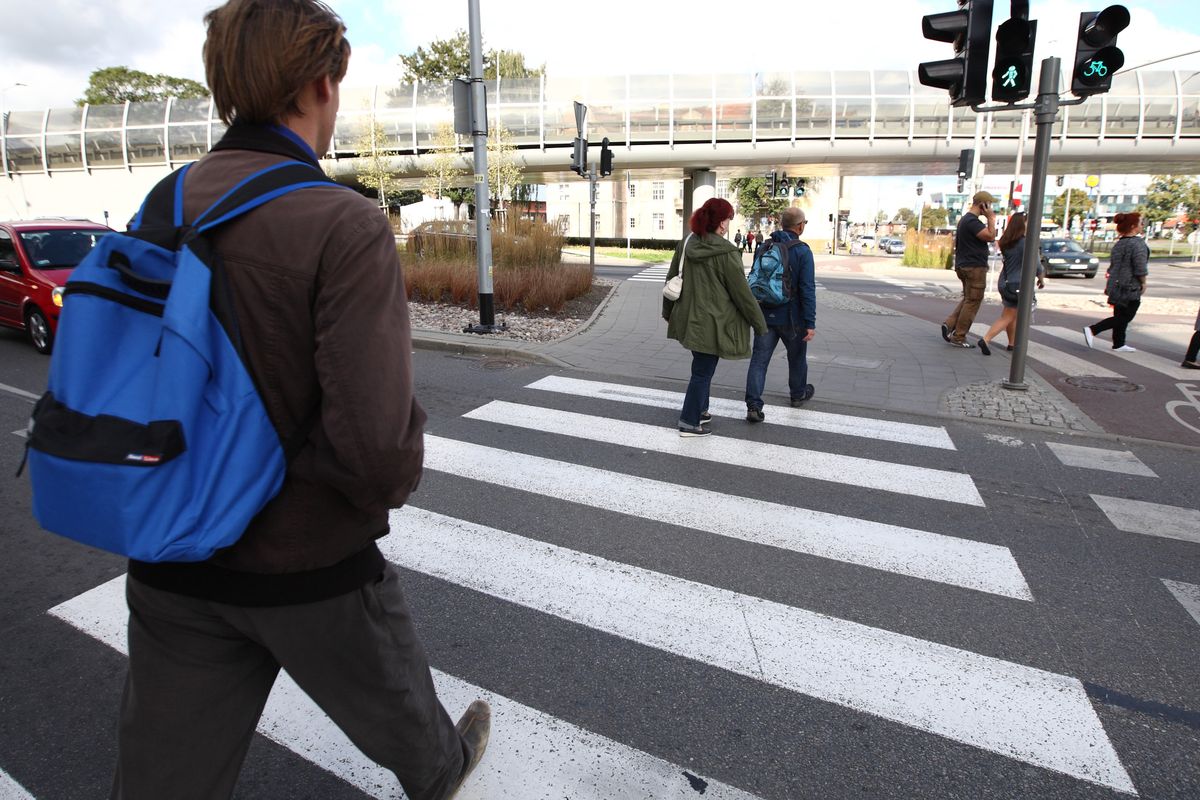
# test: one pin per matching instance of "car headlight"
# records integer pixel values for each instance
(56, 296)
(1057, 261)
(1094, 261)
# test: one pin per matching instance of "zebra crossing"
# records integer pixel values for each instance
(1016, 712)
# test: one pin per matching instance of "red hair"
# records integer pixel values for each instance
(1127, 222)
(709, 216)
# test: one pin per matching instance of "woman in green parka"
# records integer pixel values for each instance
(715, 310)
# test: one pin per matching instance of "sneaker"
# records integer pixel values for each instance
(1190, 365)
(474, 727)
(809, 391)
(686, 430)
(754, 415)
(1088, 336)
(964, 344)
(983, 347)
(1124, 349)
(705, 418)
(945, 332)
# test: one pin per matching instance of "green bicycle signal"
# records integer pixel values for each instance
(1095, 69)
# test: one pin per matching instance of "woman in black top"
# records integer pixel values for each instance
(1012, 248)
(1126, 282)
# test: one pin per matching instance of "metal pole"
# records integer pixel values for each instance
(483, 213)
(1067, 212)
(1047, 112)
(592, 206)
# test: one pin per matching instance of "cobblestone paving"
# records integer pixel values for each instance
(1034, 406)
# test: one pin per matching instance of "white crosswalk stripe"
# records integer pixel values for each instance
(1151, 519)
(1122, 461)
(1067, 364)
(1188, 595)
(654, 274)
(1019, 712)
(1165, 366)
(11, 790)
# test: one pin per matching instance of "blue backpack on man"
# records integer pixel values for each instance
(771, 275)
(151, 440)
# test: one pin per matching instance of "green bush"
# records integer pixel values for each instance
(928, 250)
(517, 243)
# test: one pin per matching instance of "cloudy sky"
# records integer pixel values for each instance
(53, 45)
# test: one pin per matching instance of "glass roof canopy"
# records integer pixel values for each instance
(633, 109)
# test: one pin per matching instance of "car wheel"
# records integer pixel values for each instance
(38, 328)
(1090, 275)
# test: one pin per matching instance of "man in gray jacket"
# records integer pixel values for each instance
(320, 302)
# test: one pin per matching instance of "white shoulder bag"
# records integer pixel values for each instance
(673, 287)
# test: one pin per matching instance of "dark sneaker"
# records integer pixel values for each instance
(1189, 365)
(964, 344)
(945, 332)
(809, 391)
(983, 347)
(686, 430)
(705, 418)
(474, 727)
(754, 415)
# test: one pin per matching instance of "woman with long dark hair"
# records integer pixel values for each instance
(1126, 282)
(715, 310)
(1012, 250)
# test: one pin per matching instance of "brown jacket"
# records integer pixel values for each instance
(323, 316)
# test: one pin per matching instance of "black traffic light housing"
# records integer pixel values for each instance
(970, 30)
(1012, 76)
(771, 184)
(800, 187)
(966, 167)
(784, 186)
(579, 157)
(1097, 57)
(920, 187)
(605, 159)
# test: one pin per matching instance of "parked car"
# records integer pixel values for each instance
(892, 245)
(36, 258)
(863, 244)
(1067, 257)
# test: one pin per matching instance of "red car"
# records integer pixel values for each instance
(36, 258)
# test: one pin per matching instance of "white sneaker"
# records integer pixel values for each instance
(1088, 336)
(1125, 349)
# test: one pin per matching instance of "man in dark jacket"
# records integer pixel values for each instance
(320, 301)
(794, 323)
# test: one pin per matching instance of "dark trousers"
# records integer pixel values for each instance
(760, 359)
(200, 673)
(974, 282)
(1193, 348)
(1118, 322)
(696, 399)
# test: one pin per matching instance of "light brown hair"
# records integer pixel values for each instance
(1013, 232)
(1127, 222)
(260, 54)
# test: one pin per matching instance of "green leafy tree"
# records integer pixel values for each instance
(881, 218)
(1081, 204)
(906, 217)
(443, 60)
(753, 199)
(113, 85)
(440, 179)
(504, 173)
(373, 163)
(1169, 196)
(933, 218)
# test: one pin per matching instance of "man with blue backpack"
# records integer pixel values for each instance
(783, 281)
(231, 406)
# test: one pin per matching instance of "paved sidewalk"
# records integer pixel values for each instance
(863, 355)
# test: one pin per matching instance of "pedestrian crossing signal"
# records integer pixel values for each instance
(1011, 77)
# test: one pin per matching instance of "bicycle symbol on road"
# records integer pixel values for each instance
(1097, 69)
(1192, 393)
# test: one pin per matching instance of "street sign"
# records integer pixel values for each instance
(1092, 181)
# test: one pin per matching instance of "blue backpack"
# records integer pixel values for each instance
(771, 275)
(151, 440)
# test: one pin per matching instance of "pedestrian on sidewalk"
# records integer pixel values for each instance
(1012, 250)
(794, 323)
(715, 309)
(305, 588)
(1127, 273)
(1189, 359)
(749, 241)
(976, 230)
(737, 239)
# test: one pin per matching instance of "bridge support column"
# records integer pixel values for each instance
(698, 187)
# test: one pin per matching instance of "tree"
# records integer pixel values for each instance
(754, 200)
(447, 59)
(934, 218)
(1081, 204)
(504, 173)
(113, 85)
(439, 180)
(881, 218)
(1169, 196)
(906, 217)
(372, 164)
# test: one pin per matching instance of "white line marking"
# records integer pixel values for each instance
(11, 790)
(1151, 519)
(1023, 713)
(906, 433)
(1065, 363)
(905, 551)
(1142, 358)
(19, 392)
(936, 484)
(1188, 595)
(22, 433)
(1122, 461)
(645, 280)
(531, 754)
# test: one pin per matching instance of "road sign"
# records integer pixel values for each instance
(1092, 181)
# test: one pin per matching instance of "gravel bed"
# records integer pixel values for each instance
(448, 318)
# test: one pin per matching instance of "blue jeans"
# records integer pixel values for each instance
(760, 358)
(696, 399)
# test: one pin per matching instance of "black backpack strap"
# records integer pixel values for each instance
(163, 206)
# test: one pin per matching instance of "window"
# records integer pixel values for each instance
(632, 189)
(659, 221)
(657, 191)
(564, 191)
(596, 219)
(723, 188)
(632, 223)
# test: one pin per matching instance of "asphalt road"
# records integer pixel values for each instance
(884, 606)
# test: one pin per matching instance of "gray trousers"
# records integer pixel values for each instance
(200, 673)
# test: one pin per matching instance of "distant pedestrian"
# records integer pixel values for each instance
(794, 323)
(715, 310)
(312, 276)
(1189, 360)
(749, 241)
(1012, 250)
(1127, 273)
(737, 239)
(975, 230)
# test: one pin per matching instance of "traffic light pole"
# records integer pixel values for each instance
(591, 176)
